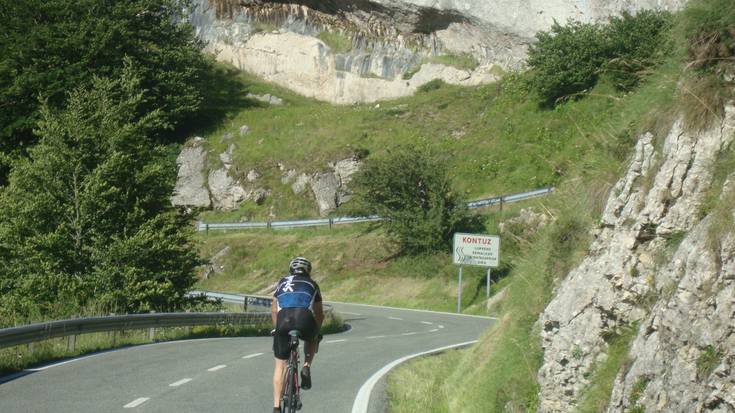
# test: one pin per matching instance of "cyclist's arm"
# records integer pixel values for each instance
(274, 311)
(318, 313)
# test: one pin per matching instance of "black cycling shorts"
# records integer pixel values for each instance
(288, 319)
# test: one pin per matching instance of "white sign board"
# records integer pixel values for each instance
(476, 249)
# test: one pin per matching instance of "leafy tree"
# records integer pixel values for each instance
(50, 47)
(411, 188)
(85, 220)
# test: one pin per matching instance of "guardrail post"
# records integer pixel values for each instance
(152, 331)
(71, 343)
(331, 222)
(206, 228)
(501, 204)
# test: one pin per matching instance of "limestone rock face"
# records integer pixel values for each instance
(389, 40)
(658, 197)
(190, 190)
(302, 181)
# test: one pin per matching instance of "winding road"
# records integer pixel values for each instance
(234, 374)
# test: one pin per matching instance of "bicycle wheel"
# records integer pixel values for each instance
(289, 398)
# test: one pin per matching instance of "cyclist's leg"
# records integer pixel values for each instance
(278, 381)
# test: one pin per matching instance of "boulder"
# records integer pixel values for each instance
(253, 175)
(226, 156)
(288, 176)
(190, 189)
(325, 186)
(226, 192)
(302, 181)
(267, 98)
(244, 129)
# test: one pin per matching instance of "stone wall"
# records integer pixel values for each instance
(658, 199)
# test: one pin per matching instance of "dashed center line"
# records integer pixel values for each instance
(137, 402)
(395, 318)
(372, 337)
(180, 382)
(349, 313)
(434, 330)
(249, 356)
(440, 326)
(409, 334)
(215, 368)
(426, 322)
(334, 341)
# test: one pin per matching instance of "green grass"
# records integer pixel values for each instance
(597, 395)
(462, 61)
(351, 263)
(486, 132)
(338, 42)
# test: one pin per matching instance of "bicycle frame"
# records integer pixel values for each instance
(291, 389)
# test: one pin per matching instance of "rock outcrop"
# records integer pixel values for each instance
(190, 190)
(655, 202)
(386, 43)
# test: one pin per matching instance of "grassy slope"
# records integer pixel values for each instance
(495, 139)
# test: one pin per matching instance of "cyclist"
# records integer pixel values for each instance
(297, 305)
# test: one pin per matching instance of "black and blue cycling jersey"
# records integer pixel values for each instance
(297, 291)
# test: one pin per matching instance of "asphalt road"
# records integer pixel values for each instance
(234, 374)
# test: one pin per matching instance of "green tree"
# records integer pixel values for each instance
(85, 220)
(50, 47)
(411, 188)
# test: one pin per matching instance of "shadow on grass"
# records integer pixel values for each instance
(224, 95)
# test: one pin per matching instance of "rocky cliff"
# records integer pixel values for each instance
(655, 264)
(383, 49)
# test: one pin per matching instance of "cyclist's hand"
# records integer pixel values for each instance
(273, 332)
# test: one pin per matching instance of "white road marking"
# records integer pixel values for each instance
(434, 330)
(363, 396)
(334, 341)
(348, 313)
(137, 402)
(415, 310)
(440, 326)
(179, 383)
(409, 334)
(372, 337)
(252, 355)
(215, 368)
(426, 322)
(395, 318)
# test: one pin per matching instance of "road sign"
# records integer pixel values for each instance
(476, 249)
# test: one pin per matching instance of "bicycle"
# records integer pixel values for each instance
(291, 390)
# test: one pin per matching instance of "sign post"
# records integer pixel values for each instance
(475, 249)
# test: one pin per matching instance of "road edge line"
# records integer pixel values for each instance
(415, 309)
(363, 395)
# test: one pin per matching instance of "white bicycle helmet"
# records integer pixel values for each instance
(299, 266)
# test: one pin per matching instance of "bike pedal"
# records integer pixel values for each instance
(298, 405)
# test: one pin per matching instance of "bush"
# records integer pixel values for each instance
(431, 85)
(411, 188)
(637, 43)
(566, 60)
(569, 60)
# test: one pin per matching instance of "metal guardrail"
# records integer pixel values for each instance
(499, 200)
(15, 336)
(31, 333)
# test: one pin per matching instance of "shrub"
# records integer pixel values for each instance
(566, 60)
(431, 85)
(569, 60)
(637, 43)
(411, 188)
